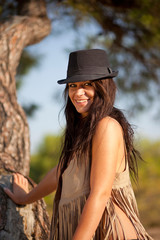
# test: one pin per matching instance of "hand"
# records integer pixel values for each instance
(20, 189)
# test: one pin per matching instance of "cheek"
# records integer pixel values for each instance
(93, 94)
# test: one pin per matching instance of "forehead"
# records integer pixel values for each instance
(79, 83)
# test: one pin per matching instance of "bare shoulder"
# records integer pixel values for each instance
(109, 126)
(107, 141)
(106, 148)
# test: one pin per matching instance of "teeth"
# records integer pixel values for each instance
(81, 101)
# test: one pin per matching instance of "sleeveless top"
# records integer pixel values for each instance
(75, 190)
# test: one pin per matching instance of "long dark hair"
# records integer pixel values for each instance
(80, 131)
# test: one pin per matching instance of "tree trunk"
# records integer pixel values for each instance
(17, 32)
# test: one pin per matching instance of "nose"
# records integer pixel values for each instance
(80, 92)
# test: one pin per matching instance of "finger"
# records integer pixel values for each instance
(15, 183)
(15, 179)
(25, 182)
(21, 179)
(18, 178)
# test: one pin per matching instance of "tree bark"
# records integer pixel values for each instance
(17, 32)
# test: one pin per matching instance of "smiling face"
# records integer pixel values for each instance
(81, 95)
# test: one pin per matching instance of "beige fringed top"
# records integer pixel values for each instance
(75, 190)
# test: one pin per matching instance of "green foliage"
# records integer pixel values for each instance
(148, 191)
(7, 8)
(27, 62)
(30, 109)
(46, 158)
(130, 31)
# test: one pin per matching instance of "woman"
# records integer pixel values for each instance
(94, 197)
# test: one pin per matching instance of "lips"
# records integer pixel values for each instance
(81, 99)
(81, 102)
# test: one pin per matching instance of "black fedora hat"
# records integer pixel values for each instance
(85, 65)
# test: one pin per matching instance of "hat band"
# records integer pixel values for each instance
(90, 71)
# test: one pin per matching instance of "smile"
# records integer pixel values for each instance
(81, 101)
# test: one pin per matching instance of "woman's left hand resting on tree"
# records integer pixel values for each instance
(20, 194)
(20, 189)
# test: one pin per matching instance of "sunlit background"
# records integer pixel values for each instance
(46, 125)
(40, 87)
(130, 33)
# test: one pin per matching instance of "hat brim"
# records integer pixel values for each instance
(81, 78)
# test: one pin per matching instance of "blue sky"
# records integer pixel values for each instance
(40, 85)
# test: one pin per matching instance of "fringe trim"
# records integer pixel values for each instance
(125, 199)
(109, 226)
(68, 219)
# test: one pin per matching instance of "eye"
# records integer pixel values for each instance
(72, 85)
(88, 84)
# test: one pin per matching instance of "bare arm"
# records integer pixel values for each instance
(20, 194)
(105, 151)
